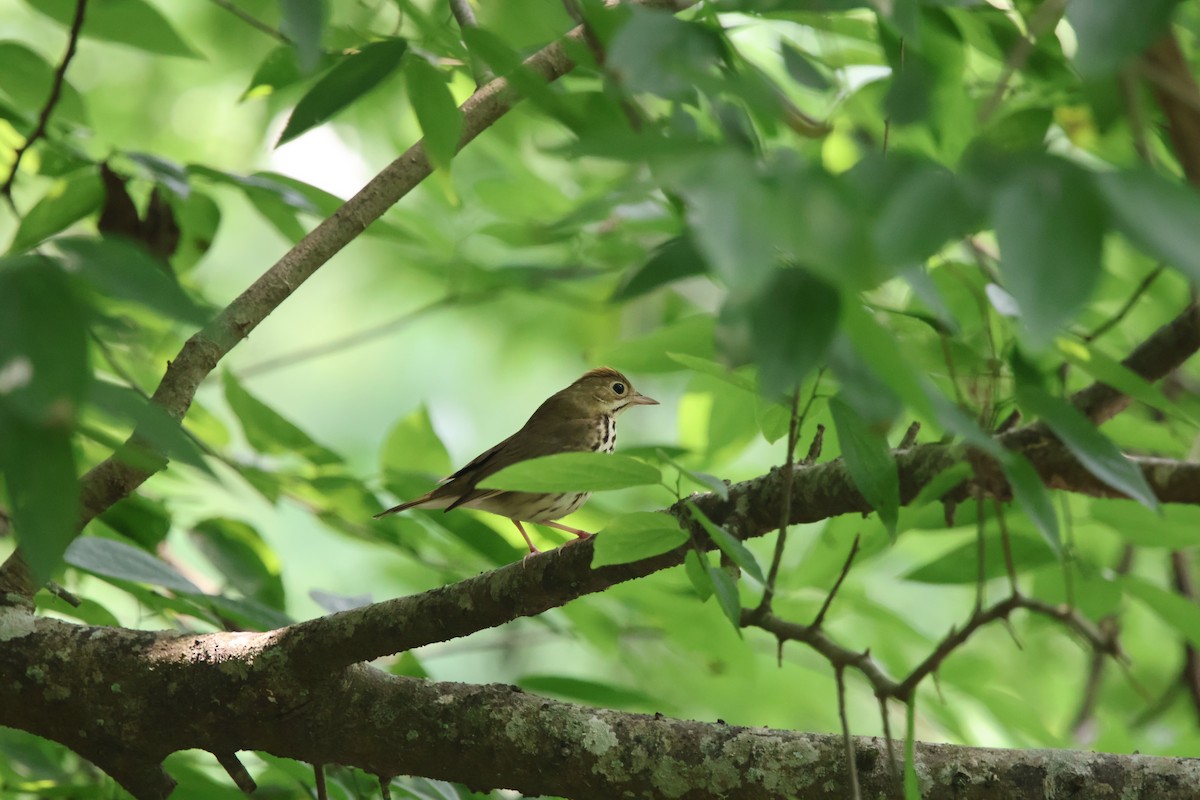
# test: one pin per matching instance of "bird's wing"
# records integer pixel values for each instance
(550, 437)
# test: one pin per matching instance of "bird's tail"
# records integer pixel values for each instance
(401, 507)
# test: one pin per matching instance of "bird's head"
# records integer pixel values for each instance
(605, 391)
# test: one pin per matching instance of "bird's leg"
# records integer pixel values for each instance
(569, 529)
(532, 550)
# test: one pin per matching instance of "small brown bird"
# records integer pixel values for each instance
(581, 417)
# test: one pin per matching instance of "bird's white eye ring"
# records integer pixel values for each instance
(618, 388)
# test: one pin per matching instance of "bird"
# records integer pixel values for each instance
(580, 418)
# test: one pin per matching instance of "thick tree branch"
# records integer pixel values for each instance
(124, 699)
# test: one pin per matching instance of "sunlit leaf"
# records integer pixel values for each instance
(441, 121)
(1173, 609)
(239, 553)
(131, 22)
(268, 431)
(869, 462)
(67, 201)
(574, 472)
(730, 545)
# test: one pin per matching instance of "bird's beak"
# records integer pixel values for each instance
(642, 400)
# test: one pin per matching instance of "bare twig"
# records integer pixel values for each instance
(1128, 305)
(847, 739)
(1181, 578)
(910, 436)
(817, 620)
(1006, 542)
(237, 771)
(60, 76)
(814, 449)
(319, 779)
(786, 511)
(252, 21)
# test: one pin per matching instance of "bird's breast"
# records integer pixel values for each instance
(606, 434)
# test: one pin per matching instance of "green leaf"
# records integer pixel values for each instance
(1112, 33)
(691, 335)
(1093, 449)
(960, 565)
(658, 53)
(729, 544)
(157, 428)
(596, 693)
(725, 588)
(574, 472)
(1031, 496)
(869, 462)
(412, 445)
(926, 209)
(132, 22)
(113, 559)
(27, 81)
(350, 79)
(793, 319)
(696, 566)
(440, 119)
(635, 536)
(1174, 610)
(704, 366)
(269, 432)
(1175, 527)
(941, 483)
(1157, 214)
(122, 269)
(711, 482)
(302, 22)
(1049, 224)
(67, 201)
(673, 259)
(38, 467)
(242, 557)
(139, 519)
(1118, 376)
(801, 67)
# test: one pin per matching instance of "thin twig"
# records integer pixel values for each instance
(253, 21)
(465, 16)
(1108, 325)
(891, 744)
(60, 76)
(319, 779)
(910, 436)
(786, 511)
(814, 449)
(1042, 22)
(1006, 542)
(980, 554)
(817, 620)
(847, 739)
(1181, 578)
(237, 771)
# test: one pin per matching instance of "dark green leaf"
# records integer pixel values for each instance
(121, 269)
(1158, 214)
(38, 466)
(139, 519)
(268, 431)
(27, 81)
(114, 559)
(924, 211)
(441, 121)
(730, 545)
(601, 695)
(1049, 224)
(239, 553)
(1174, 610)
(1031, 496)
(960, 565)
(801, 68)
(943, 482)
(696, 566)
(132, 22)
(869, 462)
(574, 472)
(44, 373)
(247, 614)
(67, 201)
(155, 426)
(674, 259)
(1120, 377)
(792, 322)
(725, 588)
(302, 23)
(635, 536)
(412, 445)
(1093, 449)
(350, 79)
(658, 53)
(1110, 33)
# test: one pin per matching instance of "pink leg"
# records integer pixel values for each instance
(568, 529)
(532, 550)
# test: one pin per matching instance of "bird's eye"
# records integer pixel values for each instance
(618, 388)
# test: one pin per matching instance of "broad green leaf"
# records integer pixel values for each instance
(302, 22)
(658, 53)
(730, 545)
(67, 201)
(1093, 449)
(1031, 496)
(350, 79)
(1118, 376)
(1175, 610)
(960, 565)
(925, 209)
(673, 259)
(574, 472)
(719, 371)
(792, 319)
(691, 335)
(943, 482)
(1157, 214)
(879, 349)
(268, 431)
(696, 566)
(27, 81)
(44, 373)
(440, 119)
(121, 269)
(635, 536)
(1113, 33)
(136, 23)
(1175, 527)
(156, 427)
(247, 613)
(139, 519)
(412, 445)
(1049, 224)
(242, 557)
(113, 559)
(869, 462)
(712, 482)
(725, 588)
(596, 693)
(38, 467)
(801, 67)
